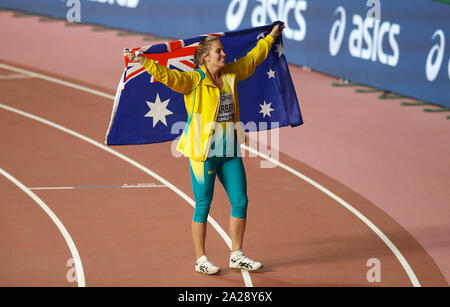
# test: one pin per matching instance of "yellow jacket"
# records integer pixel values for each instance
(202, 99)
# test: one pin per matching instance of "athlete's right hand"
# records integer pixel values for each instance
(132, 57)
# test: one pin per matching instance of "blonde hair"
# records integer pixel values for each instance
(202, 49)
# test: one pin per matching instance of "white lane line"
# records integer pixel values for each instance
(216, 226)
(55, 80)
(342, 202)
(380, 234)
(125, 186)
(52, 188)
(14, 76)
(55, 219)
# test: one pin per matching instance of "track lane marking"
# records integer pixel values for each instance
(346, 205)
(216, 226)
(14, 76)
(73, 249)
(55, 80)
(124, 186)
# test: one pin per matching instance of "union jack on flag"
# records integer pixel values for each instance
(174, 54)
(146, 111)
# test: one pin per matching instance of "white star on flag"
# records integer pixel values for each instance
(271, 73)
(261, 35)
(158, 110)
(279, 50)
(266, 109)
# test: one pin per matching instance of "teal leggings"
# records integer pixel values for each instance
(231, 173)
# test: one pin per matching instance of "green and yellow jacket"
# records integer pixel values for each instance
(202, 97)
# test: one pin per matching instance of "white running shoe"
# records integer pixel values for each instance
(204, 266)
(239, 261)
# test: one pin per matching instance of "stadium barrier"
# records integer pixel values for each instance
(396, 45)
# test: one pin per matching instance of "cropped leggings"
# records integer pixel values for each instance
(231, 173)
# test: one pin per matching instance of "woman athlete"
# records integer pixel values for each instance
(211, 101)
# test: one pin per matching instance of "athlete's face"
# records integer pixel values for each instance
(216, 55)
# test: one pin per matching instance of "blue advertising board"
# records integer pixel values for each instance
(398, 45)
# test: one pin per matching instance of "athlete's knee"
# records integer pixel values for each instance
(201, 210)
(239, 207)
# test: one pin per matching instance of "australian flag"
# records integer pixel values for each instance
(146, 111)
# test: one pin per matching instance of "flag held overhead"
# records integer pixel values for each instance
(145, 110)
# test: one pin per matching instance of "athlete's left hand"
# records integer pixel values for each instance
(277, 29)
